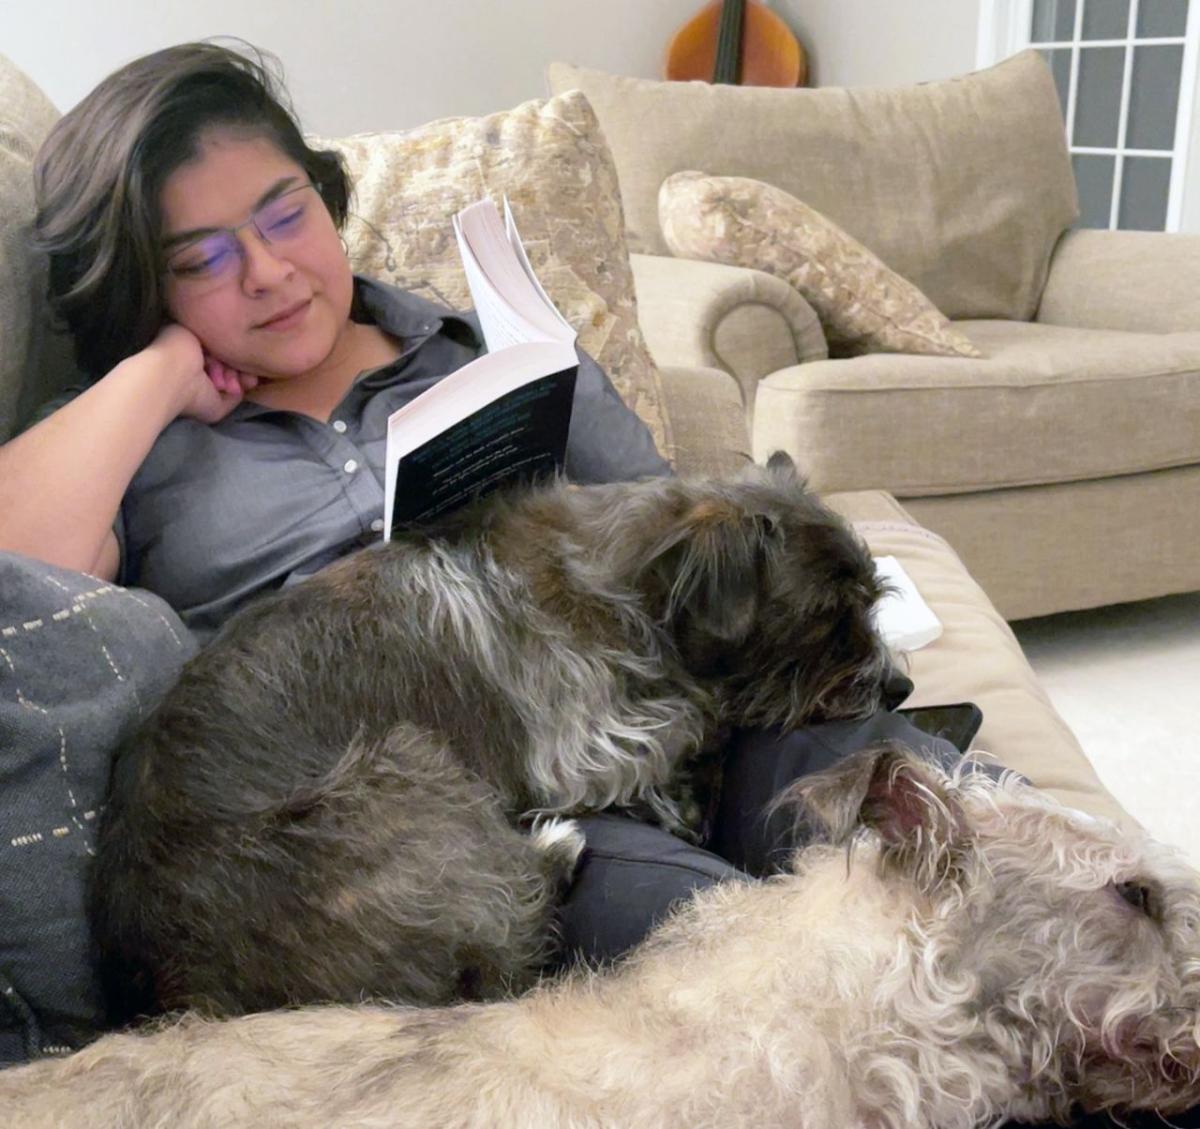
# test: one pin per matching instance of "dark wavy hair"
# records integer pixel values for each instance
(99, 176)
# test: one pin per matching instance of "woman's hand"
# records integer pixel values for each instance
(205, 388)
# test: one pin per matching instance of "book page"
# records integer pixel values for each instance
(514, 239)
(511, 305)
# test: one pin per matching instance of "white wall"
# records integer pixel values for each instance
(1191, 200)
(382, 64)
(357, 65)
(353, 65)
(884, 42)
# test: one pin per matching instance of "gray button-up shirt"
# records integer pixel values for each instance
(220, 513)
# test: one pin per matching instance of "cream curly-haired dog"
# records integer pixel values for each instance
(980, 953)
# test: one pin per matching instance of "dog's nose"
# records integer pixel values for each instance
(895, 687)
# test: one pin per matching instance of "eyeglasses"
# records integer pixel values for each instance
(211, 260)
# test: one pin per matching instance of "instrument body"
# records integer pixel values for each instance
(737, 41)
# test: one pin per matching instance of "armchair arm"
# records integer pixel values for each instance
(709, 315)
(1141, 281)
(708, 423)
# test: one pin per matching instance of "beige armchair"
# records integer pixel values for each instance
(1064, 465)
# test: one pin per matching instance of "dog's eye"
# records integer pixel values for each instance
(1139, 896)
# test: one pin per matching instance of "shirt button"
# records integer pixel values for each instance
(339, 425)
(377, 525)
(351, 466)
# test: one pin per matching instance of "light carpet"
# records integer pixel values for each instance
(1127, 681)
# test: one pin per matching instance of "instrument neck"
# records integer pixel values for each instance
(729, 42)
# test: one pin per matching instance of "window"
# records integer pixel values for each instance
(1126, 77)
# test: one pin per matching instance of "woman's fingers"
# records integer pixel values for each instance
(228, 380)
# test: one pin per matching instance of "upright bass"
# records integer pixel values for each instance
(737, 41)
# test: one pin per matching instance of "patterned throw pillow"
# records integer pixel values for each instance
(550, 159)
(863, 306)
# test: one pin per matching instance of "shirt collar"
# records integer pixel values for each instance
(405, 314)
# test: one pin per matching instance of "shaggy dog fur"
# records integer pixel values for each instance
(327, 806)
(977, 953)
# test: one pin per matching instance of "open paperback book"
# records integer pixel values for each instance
(503, 417)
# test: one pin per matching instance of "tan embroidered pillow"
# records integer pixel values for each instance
(864, 307)
(550, 159)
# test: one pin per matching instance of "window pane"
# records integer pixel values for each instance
(1145, 187)
(1154, 97)
(1161, 18)
(1098, 96)
(1053, 21)
(1094, 179)
(1059, 60)
(1105, 19)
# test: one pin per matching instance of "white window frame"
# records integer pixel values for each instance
(1004, 30)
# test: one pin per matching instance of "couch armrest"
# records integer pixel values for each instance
(708, 423)
(979, 659)
(709, 315)
(1140, 281)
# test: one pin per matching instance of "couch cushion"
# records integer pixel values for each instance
(550, 159)
(977, 658)
(1049, 404)
(81, 663)
(960, 186)
(863, 306)
(32, 363)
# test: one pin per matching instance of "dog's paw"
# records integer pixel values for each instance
(561, 842)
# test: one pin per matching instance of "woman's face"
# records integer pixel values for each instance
(301, 273)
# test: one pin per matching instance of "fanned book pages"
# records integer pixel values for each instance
(502, 418)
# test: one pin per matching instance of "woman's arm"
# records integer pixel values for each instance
(62, 481)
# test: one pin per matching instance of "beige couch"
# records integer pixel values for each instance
(1064, 466)
(977, 658)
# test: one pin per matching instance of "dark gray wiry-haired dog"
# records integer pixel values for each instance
(325, 807)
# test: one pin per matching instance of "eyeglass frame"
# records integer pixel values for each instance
(232, 233)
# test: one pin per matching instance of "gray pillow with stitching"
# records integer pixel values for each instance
(82, 661)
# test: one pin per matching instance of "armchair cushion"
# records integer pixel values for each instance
(551, 161)
(960, 186)
(863, 306)
(1049, 404)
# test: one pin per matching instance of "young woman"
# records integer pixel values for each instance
(231, 436)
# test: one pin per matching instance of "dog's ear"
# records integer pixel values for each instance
(781, 461)
(898, 795)
(710, 564)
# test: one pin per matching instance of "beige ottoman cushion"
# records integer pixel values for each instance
(960, 186)
(1047, 404)
(978, 659)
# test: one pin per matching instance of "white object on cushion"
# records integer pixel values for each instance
(904, 619)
